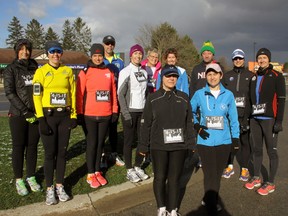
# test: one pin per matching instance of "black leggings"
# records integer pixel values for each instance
(129, 135)
(167, 167)
(263, 130)
(96, 133)
(55, 146)
(25, 138)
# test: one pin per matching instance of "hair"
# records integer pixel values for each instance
(170, 51)
(153, 50)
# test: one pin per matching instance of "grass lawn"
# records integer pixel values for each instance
(76, 170)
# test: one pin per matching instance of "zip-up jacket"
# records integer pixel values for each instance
(152, 77)
(18, 87)
(116, 65)
(166, 110)
(132, 90)
(182, 81)
(223, 106)
(96, 92)
(237, 81)
(55, 81)
(272, 92)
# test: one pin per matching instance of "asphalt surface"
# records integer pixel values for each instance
(137, 199)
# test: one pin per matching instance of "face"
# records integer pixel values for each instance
(109, 48)
(152, 59)
(238, 62)
(263, 61)
(97, 59)
(54, 57)
(171, 59)
(136, 57)
(213, 79)
(207, 56)
(23, 53)
(169, 82)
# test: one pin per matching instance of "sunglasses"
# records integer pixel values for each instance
(110, 43)
(238, 58)
(58, 51)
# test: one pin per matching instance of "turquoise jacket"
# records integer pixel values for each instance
(224, 105)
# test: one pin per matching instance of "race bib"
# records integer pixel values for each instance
(58, 99)
(240, 101)
(215, 122)
(173, 135)
(140, 76)
(258, 109)
(103, 96)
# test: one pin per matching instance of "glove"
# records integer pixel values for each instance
(235, 145)
(73, 123)
(129, 122)
(201, 131)
(80, 119)
(114, 117)
(30, 117)
(244, 126)
(277, 126)
(44, 127)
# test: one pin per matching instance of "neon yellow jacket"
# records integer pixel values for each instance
(53, 81)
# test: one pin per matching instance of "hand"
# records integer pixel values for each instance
(114, 117)
(44, 127)
(201, 131)
(73, 123)
(244, 126)
(129, 122)
(143, 153)
(277, 126)
(80, 119)
(30, 117)
(235, 145)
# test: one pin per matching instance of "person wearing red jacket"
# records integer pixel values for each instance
(96, 106)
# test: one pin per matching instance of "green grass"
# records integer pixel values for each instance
(75, 176)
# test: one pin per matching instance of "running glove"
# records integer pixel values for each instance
(73, 123)
(114, 117)
(235, 145)
(277, 126)
(30, 117)
(201, 130)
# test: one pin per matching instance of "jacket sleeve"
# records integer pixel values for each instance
(145, 128)
(114, 94)
(233, 118)
(281, 95)
(38, 78)
(80, 92)
(190, 132)
(182, 83)
(123, 87)
(11, 92)
(194, 105)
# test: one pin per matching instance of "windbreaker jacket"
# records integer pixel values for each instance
(18, 87)
(152, 77)
(272, 92)
(224, 105)
(116, 65)
(54, 81)
(237, 81)
(90, 83)
(166, 110)
(132, 93)
(182, 82)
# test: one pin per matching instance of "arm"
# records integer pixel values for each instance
(38, 78)
(114, 94)
(158, 82)
(190, 132)
(80, 91)
(123, 85)
(182, 82)
(72, 87)
(233, 118)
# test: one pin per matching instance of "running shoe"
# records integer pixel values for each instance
(174, 213)
(100, 178)
(228, 172)
(35, 187)
(252, 183)
(132, 176)
(92, 180)
(244, 175)
(266, 189)
(162, 212)
(119, 161)
(50, 196)
(141, 174)
(219, 208)
(21, 187)
(62, 195)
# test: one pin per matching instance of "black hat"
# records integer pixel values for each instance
(109, 39)
(97, 48)
(53, 45)
(20, 43)
(264, 51)
(169, 70)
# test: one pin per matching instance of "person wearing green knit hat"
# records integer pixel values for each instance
(207, 46)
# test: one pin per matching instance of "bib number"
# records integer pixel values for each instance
(58, 99)
(103, 96)
(240, 102)
(140, 76)
(258, 109)
(215, 122)
(173, 135)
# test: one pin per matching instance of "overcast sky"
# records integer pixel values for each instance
(229, 24)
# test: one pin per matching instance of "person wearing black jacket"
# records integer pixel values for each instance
(267, 97)
(167, 130)
(23, 125)
(237, 80)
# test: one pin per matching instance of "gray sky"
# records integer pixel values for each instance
(229, 24)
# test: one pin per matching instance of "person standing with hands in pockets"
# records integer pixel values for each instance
(55, 103)
(218, 132)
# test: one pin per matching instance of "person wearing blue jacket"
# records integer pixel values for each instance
(182, 84)
(218, 132)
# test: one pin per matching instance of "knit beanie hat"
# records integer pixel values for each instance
(264, 51)
(207, 46)
(135, 48)
(238, 53)
(53, 45)
(20, 43)
(97, 48)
